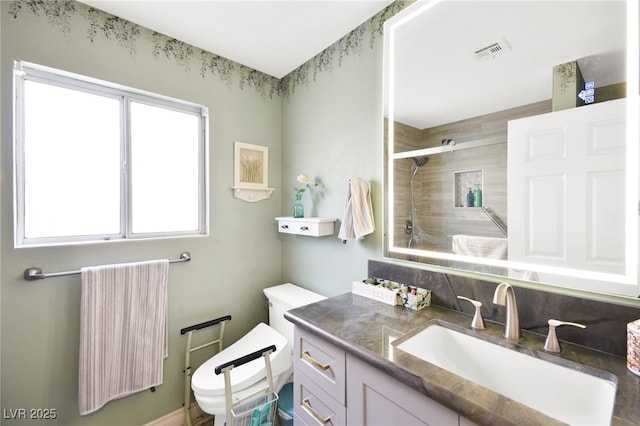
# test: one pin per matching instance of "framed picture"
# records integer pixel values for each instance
(251, 168)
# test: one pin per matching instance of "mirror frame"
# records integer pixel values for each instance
(468, 266)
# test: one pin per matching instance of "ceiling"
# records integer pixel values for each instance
(272, 36)
(439, 79)
(277, 36)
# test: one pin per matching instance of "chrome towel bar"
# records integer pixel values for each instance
(33, 274)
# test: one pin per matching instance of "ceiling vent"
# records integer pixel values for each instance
(493, 50)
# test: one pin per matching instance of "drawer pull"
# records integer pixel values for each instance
(314, 361)
(284, 226)
(304, 228)
(314, 413)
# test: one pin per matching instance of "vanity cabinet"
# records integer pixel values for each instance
(378, 399)
(313, 405)
(319, 376)
(332, 387)
(311, 226)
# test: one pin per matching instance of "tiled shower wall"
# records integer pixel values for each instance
(606, 322)
(434, 183)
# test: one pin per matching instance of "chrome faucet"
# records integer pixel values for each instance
(505, 296)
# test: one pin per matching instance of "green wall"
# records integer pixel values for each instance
(242, 255)
(325, 119)
(332, 130)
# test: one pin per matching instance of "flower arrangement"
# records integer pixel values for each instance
(303, 178)
(298, 208)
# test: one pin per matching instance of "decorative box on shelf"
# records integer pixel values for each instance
(312, 226)
(393, 293)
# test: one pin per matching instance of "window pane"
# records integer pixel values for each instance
(71, 162)
(97, 161)
(165, 171)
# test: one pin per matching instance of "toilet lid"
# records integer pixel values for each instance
(205, 381)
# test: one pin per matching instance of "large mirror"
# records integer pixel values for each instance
(511, 132)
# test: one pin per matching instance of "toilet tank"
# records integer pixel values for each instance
(284, 297)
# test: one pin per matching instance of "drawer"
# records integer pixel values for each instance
(321, 362)
(297, 421)
(311, 226)
(313, 406)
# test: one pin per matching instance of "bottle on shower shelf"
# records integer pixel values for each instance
(477, 196)
(470, 202)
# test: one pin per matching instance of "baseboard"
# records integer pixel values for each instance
(176, 418)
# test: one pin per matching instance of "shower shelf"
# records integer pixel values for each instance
(311, 226)
(462, 181)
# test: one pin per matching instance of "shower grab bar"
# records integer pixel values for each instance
(33, 274)
(496, 221)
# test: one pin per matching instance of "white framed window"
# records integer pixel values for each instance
(96, 161)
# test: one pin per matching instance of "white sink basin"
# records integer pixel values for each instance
(568, 395)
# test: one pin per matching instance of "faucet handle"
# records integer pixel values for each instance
(477, 323)
(552, 344)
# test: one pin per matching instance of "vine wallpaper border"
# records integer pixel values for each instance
(126, 34)
(350, 44)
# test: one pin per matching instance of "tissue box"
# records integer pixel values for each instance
(393, 293)
(633, 347)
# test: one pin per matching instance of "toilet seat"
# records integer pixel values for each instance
(206, 383)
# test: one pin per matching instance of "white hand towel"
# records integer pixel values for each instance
(495, 248)
(123, 331)
(358, 218)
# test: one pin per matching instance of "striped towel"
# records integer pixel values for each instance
(358, 214)
(123, 331)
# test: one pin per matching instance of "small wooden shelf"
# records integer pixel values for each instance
(311, 226)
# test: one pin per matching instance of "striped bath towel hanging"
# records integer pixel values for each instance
(123, 331)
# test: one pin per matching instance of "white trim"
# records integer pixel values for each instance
(176, 418)
(24, 71)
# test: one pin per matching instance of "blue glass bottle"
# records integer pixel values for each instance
(469, 198)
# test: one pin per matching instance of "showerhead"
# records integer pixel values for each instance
(417, 163)
(420, 161)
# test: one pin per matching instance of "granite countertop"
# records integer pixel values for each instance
(365, 328)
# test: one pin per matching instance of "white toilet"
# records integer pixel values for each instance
(208, 388)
